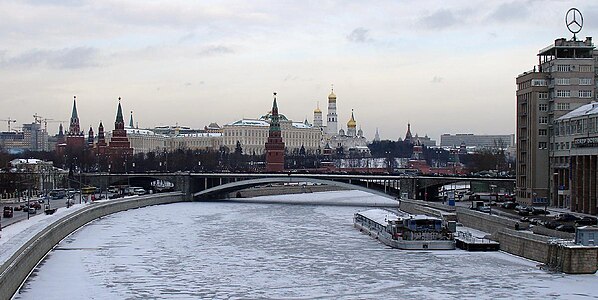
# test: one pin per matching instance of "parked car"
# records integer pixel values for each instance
(485, 209)
(587, 221)
(509, 205)
(539, 211)
(535, 221)
(32, 211)
(522, 210)
(566, 228)
(552, 224)
(115, 196)
(568, 218)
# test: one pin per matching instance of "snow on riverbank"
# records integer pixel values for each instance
(227, 250)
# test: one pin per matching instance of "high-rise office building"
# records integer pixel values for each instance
(563, 81)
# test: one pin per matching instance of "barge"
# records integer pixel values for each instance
(406, 231)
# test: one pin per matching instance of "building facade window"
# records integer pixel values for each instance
(542, 132)
(585, 68)
(563, 93)
(538, 82)
(543, 120)
(585, 81)
(542, 145)
(585, 94)
(563, 68)
(542, 95)
(563, 106)
(563, 81)
(543, 107)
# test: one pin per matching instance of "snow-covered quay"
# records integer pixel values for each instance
(238, 250)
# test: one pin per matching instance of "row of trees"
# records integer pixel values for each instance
(234, 160)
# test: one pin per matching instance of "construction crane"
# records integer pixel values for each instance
(39, 119)
(46, 121)
(9, 120)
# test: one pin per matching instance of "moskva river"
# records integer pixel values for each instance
(274, 251)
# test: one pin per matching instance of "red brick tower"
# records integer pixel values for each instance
(90, 138)
(75, 139)
(274, 145)
(119, 148)
(101, 144)
(60, 142)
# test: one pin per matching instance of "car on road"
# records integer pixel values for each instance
(508, 205)
(115, 196)
(539, 211)
(552, 224)
(568, 218)
(586, 221)
(8, 212)
(32, 211)
(523, 210)
(566, 228)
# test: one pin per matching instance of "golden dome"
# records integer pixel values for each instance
(352, 123)
(317, 111)
(332, 97)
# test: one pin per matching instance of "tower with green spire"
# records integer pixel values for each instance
(74, 128)
(119, 148)
(74, 138)
(274, 145)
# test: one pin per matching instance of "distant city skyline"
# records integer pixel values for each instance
(445, 67)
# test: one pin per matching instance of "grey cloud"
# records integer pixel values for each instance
(216, 50)
(67, 58)
(437, 79)
(57, 2)
(510, 11)
(440, 19)
(359, 35)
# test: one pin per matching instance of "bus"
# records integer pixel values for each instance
(88, 190)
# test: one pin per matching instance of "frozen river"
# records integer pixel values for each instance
(278, 251)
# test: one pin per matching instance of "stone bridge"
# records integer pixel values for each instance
(198, 186)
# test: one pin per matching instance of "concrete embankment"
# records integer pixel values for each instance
(284, 189)
(545, 246)
(16, 269)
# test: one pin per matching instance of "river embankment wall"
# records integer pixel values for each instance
(552, 248)
(282, 190)
(16, 269)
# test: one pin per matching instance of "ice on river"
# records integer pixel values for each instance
(237, 250)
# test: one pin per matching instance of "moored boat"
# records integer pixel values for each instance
(405, 231)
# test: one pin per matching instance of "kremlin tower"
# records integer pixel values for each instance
(75, 139)
(101, 144)
(408, 136)
(274, 145)
(119, 148)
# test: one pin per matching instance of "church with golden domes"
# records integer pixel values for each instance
(351, 141)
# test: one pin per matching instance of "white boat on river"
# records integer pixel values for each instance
(405, 231)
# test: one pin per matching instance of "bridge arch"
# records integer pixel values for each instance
(243, 184)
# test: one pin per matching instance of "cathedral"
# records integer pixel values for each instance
(350, 141)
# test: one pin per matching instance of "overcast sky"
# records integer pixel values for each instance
(444, 66)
